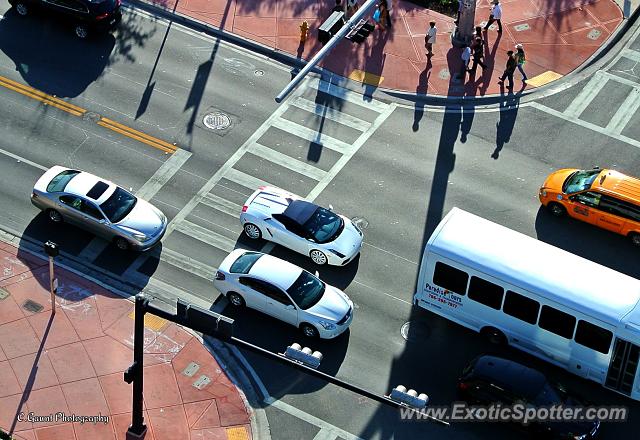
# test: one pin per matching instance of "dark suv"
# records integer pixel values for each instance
(490, 379)
(87, 16)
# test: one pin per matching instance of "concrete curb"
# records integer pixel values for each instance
(257, 418)
(391, 95)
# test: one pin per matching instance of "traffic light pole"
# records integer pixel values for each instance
(465, 28)
(349, 25)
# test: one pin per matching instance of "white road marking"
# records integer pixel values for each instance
(222, 205)
(329, 113)
(188, 264)
(206, 236)
(588, 93)
(347, 95)
(625, 112)
(162, 175)
(287, 161)
(23, 160)
(244, 179)
(311, 135)
(326, 434)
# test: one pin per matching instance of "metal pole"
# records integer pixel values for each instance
(326, 49)
(138, 427)
(465, 29)
(52, 288)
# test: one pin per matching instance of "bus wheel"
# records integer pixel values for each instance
(493, 335)
(557, 209)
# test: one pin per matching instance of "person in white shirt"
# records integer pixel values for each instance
(495, 15)
(466, 57)
(430, 38)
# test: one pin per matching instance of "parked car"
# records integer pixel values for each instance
(99, 206)
(605, 198)
(491, 379)
(284, 291)
(86, 16)
(284, 218)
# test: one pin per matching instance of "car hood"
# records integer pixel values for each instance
(349, 241)
(555, 180)
(333, 305)
(144, 218)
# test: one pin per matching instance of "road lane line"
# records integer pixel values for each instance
(206, 236)
(244, 179)
(163, 174)
(346, 95)
(41, 96)
(286, 161)
(311, 135)
(137, 135)
(330, 113)
(326, 434)
(337, 167)
(584, 98)
(625, 112)
(222, 205)
(22, 159)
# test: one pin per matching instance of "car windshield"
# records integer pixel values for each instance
(245, 262)
(119, 205)
(306, 291)
(579, 181)
(323, 226)
(59, 183)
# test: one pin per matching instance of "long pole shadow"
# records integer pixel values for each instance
(32, 376)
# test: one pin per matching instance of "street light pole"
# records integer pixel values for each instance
(51, 249)
(135, 372)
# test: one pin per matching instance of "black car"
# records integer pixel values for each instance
(490, 379)
(86, 16)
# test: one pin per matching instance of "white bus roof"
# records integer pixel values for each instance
(536, 266)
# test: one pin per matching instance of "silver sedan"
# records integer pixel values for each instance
(99, 206)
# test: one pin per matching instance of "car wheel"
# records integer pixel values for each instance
(121, 243)
(235, 299)
(557, 209)
(494, 336)
(81, 31)
(318, 257)
(635, 238)
(22, 9)
(252, 231)
(54, 216)
(309, 331)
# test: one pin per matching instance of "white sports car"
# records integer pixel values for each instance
(284, 291)
(288, 220)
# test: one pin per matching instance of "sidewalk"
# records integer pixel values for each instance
(558, 36)
(73, 364)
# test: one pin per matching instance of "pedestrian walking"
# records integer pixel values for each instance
(378, 17)
(466, 56)
(430, 38)
(508, 72)
(352, 7)
(389, 7)
(495, 15)
(478, 55)
(520, 60)
(478, 32)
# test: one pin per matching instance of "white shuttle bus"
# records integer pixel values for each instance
(552, 304)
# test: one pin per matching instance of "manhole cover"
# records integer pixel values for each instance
(32, 306)
(258, 72)
(594, 34)
(522, 27)
(444, 74)
(415, 331)
(216, 121)
(360, 222)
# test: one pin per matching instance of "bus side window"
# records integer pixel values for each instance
(521, 307)
(485, 292)
(555, 321)
(593, 337)
(450, 278)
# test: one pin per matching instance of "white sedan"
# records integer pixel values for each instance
(284, 291)
(284, 218)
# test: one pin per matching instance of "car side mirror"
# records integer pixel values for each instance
(330, 207)
(317, 274)
(290, 307)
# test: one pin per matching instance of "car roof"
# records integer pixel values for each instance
(614, 182)
(278, 272)
(84, 182)
(300, 211)
(512, 376)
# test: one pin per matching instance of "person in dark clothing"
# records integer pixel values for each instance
(338, 7)
(478, 55)
(510, 69)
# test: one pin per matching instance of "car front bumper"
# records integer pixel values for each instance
(340, 329)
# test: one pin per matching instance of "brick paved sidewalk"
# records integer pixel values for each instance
(73, 364)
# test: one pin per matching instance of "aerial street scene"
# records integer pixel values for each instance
(319, 219)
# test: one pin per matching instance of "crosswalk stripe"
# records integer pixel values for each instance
(347, 95)
(621, 80)
(222, 205)
(287, 161)
(631, 54)
(245, 179)
(312, 136)
(187, 264)
(206, 236)
(584, 98)
(330, 113)
(625, 112)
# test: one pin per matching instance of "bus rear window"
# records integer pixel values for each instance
(450, 278)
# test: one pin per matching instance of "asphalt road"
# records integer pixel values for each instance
(397, 169)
